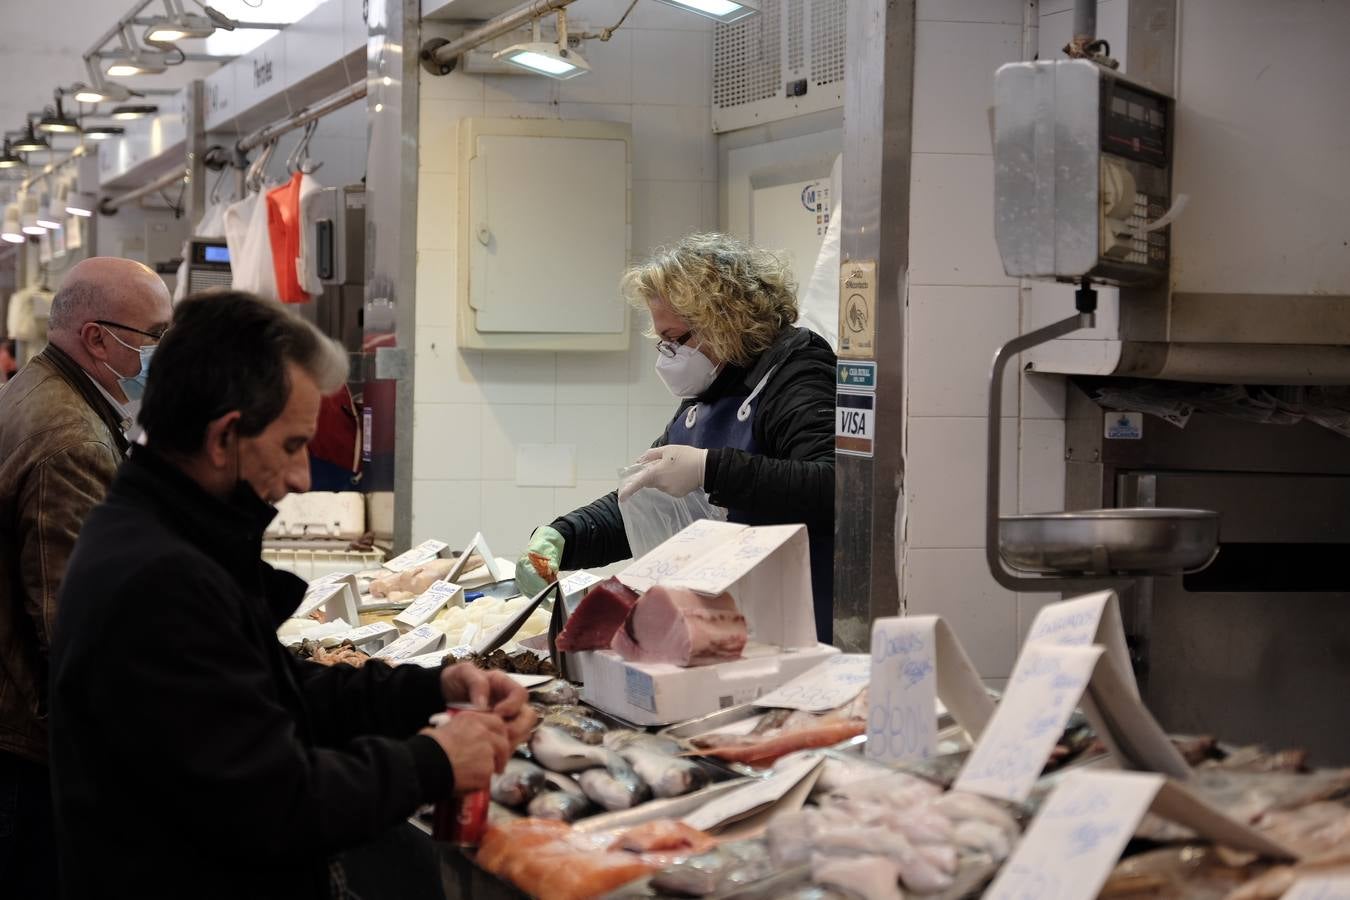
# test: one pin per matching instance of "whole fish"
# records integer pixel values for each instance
(560, 805)
(558, 751)
(518, 784)
(555, 692)
(621, 738)
(668, 776)
(580, 726)
(614, 787)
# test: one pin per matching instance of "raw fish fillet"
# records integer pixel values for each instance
(600, 614)
(674, 625)
(764, 753)
(868, 877)
(664, 835)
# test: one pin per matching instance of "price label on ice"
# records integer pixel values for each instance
(828, 686)
(422, 553)
(902, 702)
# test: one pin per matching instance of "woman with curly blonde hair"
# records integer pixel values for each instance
(755, 425)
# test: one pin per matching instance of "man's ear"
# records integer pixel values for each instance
(95, 340)
(222, 438)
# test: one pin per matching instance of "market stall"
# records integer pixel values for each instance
(879, 775)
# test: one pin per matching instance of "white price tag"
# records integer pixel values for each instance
(577, 582)
(1332, 886)
(423, 553)
(902, 699)
(428, 604)
(757, 794)
(828, 686)
(1042, 692)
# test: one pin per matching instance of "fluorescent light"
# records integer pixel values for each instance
(133, 111)
(544, 58)
(723, 11)
(81, 203)
(182, 27)
(103, 132)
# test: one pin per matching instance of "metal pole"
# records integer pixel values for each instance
(342, 98)
(878, 107)
(1085, 20)
(112, 204)
(195, 202)
(440, 56)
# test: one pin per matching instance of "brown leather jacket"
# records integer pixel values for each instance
(60, 444)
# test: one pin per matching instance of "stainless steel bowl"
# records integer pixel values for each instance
(1130, 541)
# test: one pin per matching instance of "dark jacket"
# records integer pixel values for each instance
(792, 480)
(60, 444)
(191, 753)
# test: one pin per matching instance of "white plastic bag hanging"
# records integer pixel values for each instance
(651, 516)
(250, 243)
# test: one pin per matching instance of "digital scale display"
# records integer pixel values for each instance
(1134, 123)
(216, 253)
(210, 253)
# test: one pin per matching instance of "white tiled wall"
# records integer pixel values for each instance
(961, 307)
(473, 409)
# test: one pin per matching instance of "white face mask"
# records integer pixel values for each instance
(688, 373)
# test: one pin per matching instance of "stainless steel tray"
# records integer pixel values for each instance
(1128, 541)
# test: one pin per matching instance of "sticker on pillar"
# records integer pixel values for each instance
(859, 376)
(855, 423)
(857, 309)
(1124, 426)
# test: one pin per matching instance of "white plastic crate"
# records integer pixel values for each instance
(310, 564)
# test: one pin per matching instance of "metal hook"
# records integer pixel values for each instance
(215, 188)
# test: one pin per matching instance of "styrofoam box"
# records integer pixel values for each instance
(663, 694)
(312, 564)
(320, 514)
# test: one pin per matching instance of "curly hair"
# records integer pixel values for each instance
(737, 298)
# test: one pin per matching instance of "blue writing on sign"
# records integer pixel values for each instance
(1070, 622)
(1088, 836)
(897, 729)
(916, 671)
(885, 646)
(1025, 882)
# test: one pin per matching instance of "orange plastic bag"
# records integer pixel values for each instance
(283, 226)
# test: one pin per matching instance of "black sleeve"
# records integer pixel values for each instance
(794, 475)
(345, 702)
(594, 535)
(194, 699)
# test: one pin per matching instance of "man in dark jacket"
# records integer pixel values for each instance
(191, 752)
(61, 439)
(755, 426)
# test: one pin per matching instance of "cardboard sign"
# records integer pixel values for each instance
(428, 605)
(414, 643)
(768, 571)
(373, 637)
(424, 552)
(1083, 621)
(1331, 886)
(902, 699)
(478, 543)
(672, 556)
(578, 582)
(857, 309)
(756, 796)
(330, 578)
(337, 599)
(830, 685)
(1044, 689)
(1075, 840)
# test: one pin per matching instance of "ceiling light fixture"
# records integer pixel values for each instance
(10, 231)
(724, 11)
(45, 217)
(99, 89)
(556, 60)
(55, 121)
(81, 203)
(179, 26)
(133, 111)
(103, 132)
(9, 159)
(31, 142)
(136, 60)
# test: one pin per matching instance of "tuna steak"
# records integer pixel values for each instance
(599, 615)
(674, 625)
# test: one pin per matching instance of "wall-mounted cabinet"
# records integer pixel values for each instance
(543, 234)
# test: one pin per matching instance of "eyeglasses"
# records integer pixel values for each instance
(156, 336)
(668, 348)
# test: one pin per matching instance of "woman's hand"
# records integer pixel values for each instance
(675, 469)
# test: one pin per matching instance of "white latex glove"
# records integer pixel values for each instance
(675, 469)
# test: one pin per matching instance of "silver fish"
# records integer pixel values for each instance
(558, 751)
(560, 805)
(555, 692)
(582, 727)
(518, 784)
(668, 776)
(621, 738)
(614, 787)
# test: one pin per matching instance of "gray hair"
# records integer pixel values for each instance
(78, 301)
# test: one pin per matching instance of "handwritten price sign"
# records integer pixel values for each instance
(902, 701)
(828, 686)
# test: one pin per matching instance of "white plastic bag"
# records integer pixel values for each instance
(818, 301)
(250, 243)
(651, 517)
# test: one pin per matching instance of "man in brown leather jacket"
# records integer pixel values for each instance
(62, 436)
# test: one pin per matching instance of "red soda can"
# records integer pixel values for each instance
(461, 820)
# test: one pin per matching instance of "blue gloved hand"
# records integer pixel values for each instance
(544, 552)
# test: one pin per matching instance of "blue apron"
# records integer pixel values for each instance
(729, 422)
